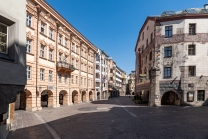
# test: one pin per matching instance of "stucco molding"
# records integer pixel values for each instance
(29, 35)
(43, 42)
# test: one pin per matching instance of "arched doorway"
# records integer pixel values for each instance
(24, 100)
(83, 96)
(170, 98)
(47, 98)
(98, 95)
(74, 96)
(63, 97)
(90, 96)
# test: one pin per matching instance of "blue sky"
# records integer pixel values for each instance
(113, 25)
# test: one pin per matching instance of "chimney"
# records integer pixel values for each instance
(206, 6)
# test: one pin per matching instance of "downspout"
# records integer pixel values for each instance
(57, 27)
(36, 78)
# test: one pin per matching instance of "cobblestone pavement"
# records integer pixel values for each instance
(117, 118)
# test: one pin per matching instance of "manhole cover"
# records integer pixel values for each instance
(87, 109)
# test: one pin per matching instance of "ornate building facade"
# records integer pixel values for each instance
(171, 56)
(60, 61)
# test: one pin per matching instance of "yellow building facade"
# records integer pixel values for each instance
(60, 61)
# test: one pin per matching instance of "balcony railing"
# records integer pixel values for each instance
(65, 66)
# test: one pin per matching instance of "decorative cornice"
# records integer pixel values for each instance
(30, 36)
(43, 42)
(51, 46)
(60, 51)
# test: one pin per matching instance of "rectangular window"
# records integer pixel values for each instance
(3, 38)
(66, 42)
(81, 80)
(76, 79)
(142, 35)
(76, 64)
(77, 50)
(28, 20)
(84, 81)
(50, 54)
(192, 70)
(72, 62)
(190, 96)
(65, 59)
(192, 29)
(42, 28)
(150, 56)
(168, 51)
(72, 79)
(50, 76)
(51, 34)
(191, 50)
(151, 37)
(42, 51)
(167, 72)
(72, 46)
(42, 74)
(60, 39)
(65, 79)
(168, 31)
(200, 95)
(59, 77)
(28, 46)
(146, 43)
(28, 72)
(59, 57)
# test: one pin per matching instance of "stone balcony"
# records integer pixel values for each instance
(65, 67)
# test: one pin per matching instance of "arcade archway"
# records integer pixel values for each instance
(90, 96)
(170, 98)
(84, 96)
(47, 98)
(63, 97)
(74, 96)
(24, 100)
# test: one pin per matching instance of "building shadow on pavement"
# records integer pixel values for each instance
(117, 123)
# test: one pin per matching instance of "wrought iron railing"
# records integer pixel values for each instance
(65, 65)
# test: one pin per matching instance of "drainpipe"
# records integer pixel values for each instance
(36, 78)
(57, 27)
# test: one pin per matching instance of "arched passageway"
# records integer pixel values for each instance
(90, 96)
(84, 96)
(98, 95)
(24, 100)
(145, 97)
(47, 98)
(170, 98)
(63, 97)
(74, 96)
